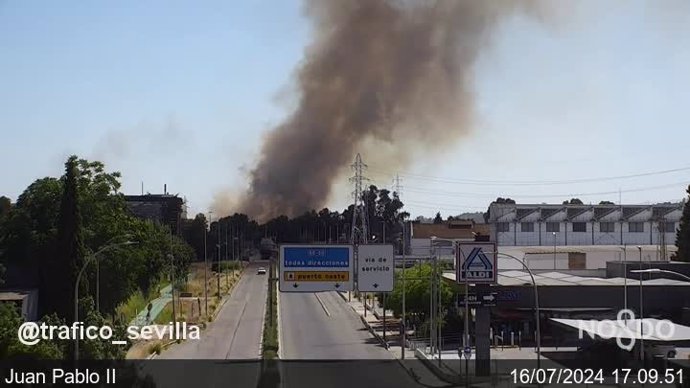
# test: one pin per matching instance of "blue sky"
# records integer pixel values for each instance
(597, 91)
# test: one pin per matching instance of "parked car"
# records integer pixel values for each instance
(261, 271)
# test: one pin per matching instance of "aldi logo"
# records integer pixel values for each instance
(476, 263)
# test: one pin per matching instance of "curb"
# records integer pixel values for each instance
(165, 346)
(448, 378)
(280, 343)
(225, 298)
(371, 330)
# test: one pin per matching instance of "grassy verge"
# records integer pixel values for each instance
(270, 342)
(136, 303)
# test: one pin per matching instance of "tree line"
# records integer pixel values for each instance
(383, 212)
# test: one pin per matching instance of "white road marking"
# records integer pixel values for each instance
(322, 305)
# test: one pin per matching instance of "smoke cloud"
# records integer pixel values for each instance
(394, 73)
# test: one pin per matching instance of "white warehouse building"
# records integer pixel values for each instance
(571, 224)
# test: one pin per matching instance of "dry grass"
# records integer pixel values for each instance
(189, 309)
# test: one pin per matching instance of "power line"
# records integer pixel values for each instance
(514, 195)
(431, 178)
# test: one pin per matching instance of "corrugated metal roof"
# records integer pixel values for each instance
(517, 278)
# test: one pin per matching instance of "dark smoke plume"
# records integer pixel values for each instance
(396, 73)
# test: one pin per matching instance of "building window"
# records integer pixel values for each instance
(667, 227)
(527, 226)
(635, 227)
(607, 227)
(502, 227)
(553, 226)
(579, 226)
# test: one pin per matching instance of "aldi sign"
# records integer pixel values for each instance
(476, 262)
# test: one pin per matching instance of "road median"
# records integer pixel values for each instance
(269, 346)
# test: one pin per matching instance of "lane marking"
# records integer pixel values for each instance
(323, 306)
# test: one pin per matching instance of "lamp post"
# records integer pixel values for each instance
(404, 322)
(625, 279)
(88, 260)
(639, 248)
(658, 270)
(218, 269)
(536, 302)
(554, 250)
(436, 294)
(98, 272)
(205, 271)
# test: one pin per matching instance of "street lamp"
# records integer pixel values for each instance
(554, 250)
(658, 270)
(625, 279)
(536, 302)
(639, 248)
(205, 271)
(98, 272)
(88, 260)
(436, 293)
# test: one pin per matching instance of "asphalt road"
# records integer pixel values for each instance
(236, 331)
(228, 350)
(325, 344)
(320, 326)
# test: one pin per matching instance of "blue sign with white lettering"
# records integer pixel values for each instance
(313, 257)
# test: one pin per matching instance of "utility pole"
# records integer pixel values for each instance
(359, 234)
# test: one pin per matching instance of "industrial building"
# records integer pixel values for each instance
(571, 224)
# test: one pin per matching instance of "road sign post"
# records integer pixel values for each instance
(376, 267)
(315, 268)
(477, 263)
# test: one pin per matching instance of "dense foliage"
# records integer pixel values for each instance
(59, 225)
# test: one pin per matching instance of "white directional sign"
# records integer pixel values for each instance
(375, 266)
(476, 262)
(315, 268)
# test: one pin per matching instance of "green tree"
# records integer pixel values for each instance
(438, 219)
(573, 201)
(683, 233)
(5, 206)
(417, 285)
(69, 252)
(193, 233)
(12, 349)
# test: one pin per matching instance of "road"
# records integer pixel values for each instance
(235, 334)
(236, 331)
(325, 344)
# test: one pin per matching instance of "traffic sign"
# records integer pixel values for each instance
(375, 268)
(476, 262)
(484, 300)
(315, 268)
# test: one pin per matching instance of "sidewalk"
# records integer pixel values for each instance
(374, 322)
(157, 306)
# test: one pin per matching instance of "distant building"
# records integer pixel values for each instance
(164, 209)
(25, 299)
(419, 235)
(549, 225)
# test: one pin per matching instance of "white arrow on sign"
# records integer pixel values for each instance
(489, 298)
